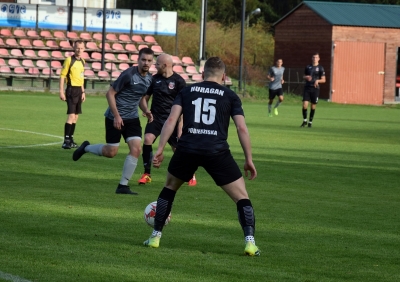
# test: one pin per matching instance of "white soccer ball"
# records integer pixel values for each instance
(150, 213)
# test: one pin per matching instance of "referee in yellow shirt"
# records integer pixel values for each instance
(73, 74)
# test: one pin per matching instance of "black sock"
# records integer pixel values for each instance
(67, 131)
(164, 206)
(312, 112)
(71, 134)
(246, 217)
(147, 158)
(304, 114)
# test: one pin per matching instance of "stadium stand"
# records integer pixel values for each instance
(131, 48)
(137, 39)
(2, 62)
(44, 54)
(123, 66)
(57, 55)
(52, 44)
(12, 42)
(12, 63)
(124, 38)
(178, 69)
(197, 77)
(46, 34)
(2, 42)
(111, 37)
(72, 35)
(92, 46)
(28, 53)
(157, 49)
(19, 33)
(19, 70)
(123, 57)
(41, 64)
(16, 53)
(97, 36)
(85, 36)
(60, 35)
(187, 61)
(5, 70)
(32, 34)
(191, 70)
(25, 43)
(38, 44)
(107, 46)
(176, 60)
(5, 32)
(150, 40)
(27, 63)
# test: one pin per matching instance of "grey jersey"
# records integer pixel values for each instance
(277, 73)
(130, 86)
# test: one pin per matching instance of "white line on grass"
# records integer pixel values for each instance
(31, 132)
(13, 278)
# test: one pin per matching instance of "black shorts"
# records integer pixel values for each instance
(311, 94)
(155, 128)
(130, 129)
(221, 167)
(274, 93)
(73, 95)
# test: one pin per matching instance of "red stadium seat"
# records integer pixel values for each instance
(2, 62)
(150, 39)
(56, 65)
(19, 70)
(134, 58)
(34, 71)
(57, 55)
(118, 47)
(197, 78)
(5, 32)
(68, 54)
(2, 42)
(115, 74)
(123, 66)
(122, 57)
(47, 34)
(178, 69)
(41, 64)
(157, 49)
(96, 56)
(16, 53)
(187, 61)
(131, 48)
(110, 66)
(85, 56)
(38, 43)
(47, 72)
(111, 37)
(89, 74)
(12, 42)
(109, 56)
(60, 35)
(43, 54)
(91, 45)
(191, 70)
(51, 44)
(176, 60)
(138, 39)
(107, 46)
(25, 43)
(30, 53)
(28, 63)
(4, 52)
(98, 36)
(32, 34)
(103, 75)
(58, 72)
(13, 63)
(124, 38)
(19, 33)
(185, 76)
(5, 70)
(141, 46)
(72, 35)
(65, 45)
(85, 36)
(153, 69)
(96, 66)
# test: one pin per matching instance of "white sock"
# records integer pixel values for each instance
(156, 234)
(128, 169)
(96, 149)
(250, 239)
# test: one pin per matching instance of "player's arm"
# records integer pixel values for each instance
(118, 123)
(62, 94)
(63, 75)
(321, 79)
(270, 75)
(144, 106)
(244, 139)
(166, 133)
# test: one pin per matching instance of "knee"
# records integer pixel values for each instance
(110, 151)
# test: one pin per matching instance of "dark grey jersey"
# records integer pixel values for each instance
(276, 73)
(130, 86)
(316, 72)
(207, 108)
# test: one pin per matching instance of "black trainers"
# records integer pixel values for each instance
(66, 145)
(73, 144)
(310, 124)
(124, 189)
(78, 153)
(303, 124)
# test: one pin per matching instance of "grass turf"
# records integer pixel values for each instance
(326, 200)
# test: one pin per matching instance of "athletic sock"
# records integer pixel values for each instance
(269, 107)
(246, 216)
(67, 131)
(71, 134)
(156, 234)
(164, 206)
(277, 104)
(312, 112)
(96, 149)
(128, 169)
(304, 114)
(147, 158)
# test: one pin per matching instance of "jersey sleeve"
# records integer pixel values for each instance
(178, 99)
(181, 83)
(149, 91)
(65, 68)
(271, 72)
(122, 80)
(237, 108)
(321, 72)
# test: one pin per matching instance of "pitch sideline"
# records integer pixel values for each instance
(31, 132)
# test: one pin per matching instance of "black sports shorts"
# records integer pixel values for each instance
(274, 93)
(131, 128)
(155, 128)
(311, 94)
(221, 166)
(73, 95)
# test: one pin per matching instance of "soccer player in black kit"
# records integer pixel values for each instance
(164, 87)
(314, 74)
(207, 108)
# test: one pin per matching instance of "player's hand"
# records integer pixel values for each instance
(149, 116)
(62, 96)
(118, 123)
(249, 166)
(157, 159)
(271, 78)
(307, 77)
(316, 84)
(282, 82)
(83, 97)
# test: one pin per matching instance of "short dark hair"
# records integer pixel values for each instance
(79, 41)
(146, 51)
(213, 66)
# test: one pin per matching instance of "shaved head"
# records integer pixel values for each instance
(164, 65)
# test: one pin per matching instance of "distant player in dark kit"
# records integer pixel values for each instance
(73, 73)
(164, 87)
(314, 74)
(207, 108)
(275, 76)
(122, 118)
